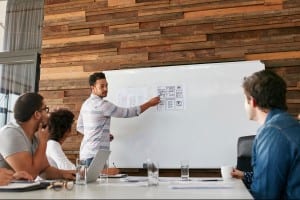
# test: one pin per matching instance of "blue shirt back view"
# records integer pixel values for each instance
(276, 158)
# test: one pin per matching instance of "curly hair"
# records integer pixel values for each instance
(267, 88)
(60, 121)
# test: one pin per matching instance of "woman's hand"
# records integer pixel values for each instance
(111, 171)
(68, 174)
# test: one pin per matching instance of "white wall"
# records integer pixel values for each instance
(2, 21)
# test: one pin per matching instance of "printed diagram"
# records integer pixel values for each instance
(171, 98)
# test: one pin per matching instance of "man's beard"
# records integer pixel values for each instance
(104, 95)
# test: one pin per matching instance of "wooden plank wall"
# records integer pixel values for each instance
(84, 36)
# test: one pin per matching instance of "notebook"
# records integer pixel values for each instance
(23, 186)
(97, 165)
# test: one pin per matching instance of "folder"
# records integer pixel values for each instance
(24, 187)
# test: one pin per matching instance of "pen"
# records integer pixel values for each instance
(114, 165)
(22, 181)
(211, 180)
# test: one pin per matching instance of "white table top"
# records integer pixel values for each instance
(120, 188)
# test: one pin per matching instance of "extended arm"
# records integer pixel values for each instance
(152, 102)
(108, 109)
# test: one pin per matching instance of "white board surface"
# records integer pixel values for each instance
(205, 131)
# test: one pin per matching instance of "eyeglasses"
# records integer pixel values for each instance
(45, 109)
(58, 185)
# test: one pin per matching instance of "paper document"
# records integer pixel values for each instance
(134, 179)
(202, 185)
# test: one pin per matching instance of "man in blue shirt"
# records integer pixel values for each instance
(276, 147)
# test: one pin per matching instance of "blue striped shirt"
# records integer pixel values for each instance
(94, 123)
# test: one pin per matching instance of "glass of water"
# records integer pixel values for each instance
(185, 174)
(153, 173)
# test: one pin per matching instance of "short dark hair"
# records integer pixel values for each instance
(60, 121)
(96, 76)
(26, 105)
(267, 88)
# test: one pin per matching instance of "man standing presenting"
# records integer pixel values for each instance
(95, 115)
(276, 147)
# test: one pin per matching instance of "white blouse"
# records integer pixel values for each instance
(56, 156)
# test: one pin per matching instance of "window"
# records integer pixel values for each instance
(2, 22)
(19, 72)
(20, 63)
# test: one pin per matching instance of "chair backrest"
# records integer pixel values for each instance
(244, 151)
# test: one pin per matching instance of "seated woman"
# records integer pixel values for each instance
(60, 127)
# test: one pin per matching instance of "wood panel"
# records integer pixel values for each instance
(84, 36)
(229, 11)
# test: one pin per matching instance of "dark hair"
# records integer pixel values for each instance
(60, 121)
(26, 105)
(267, 88)
(96, 76)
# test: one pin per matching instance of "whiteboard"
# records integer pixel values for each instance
(204, 131)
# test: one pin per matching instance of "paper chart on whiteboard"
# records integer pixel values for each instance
(172, 97)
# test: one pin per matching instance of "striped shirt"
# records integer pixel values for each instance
(94, 123)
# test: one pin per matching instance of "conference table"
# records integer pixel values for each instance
(137, 188)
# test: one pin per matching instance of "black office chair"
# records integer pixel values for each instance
(244, 153)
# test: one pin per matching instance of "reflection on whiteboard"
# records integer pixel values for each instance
(129, 97)
(171, 97)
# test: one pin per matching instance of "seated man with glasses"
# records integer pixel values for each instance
(23, 143)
